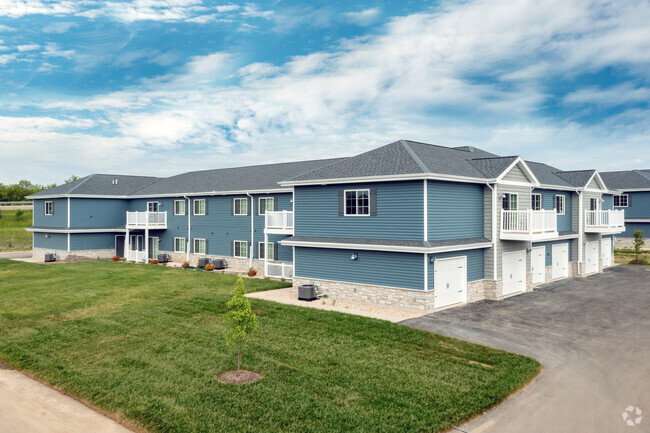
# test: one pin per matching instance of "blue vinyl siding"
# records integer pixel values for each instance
(92, 241)
(630, 227)
(403, 270)
(400, 212)
(455, 210)
(475, 264)
(97, 212)
(58, 219)
(608, 202)
(285, 254)
(55, 241)
(639, 205)
(548, 202)
(549, 249)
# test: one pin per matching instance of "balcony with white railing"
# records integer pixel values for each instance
(136, 256)
(146, 220)
(279, 222)
(279, 270)
(528, 225)
(604, 221)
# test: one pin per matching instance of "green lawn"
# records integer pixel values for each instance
(145, 343)
(13, 236)
(624, 256)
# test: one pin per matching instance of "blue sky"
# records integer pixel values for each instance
(159, 87)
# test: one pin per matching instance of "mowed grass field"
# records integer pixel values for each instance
(13, 236)
(624, 256)
(145, 343)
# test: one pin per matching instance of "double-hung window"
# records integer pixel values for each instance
(593, 203)
(620, 200)
(152, 206)
(240, 206)
(49, 208)
(240, 249)
(536, 202)
(179, 245)
(560, 204)
(199, 246)
(265, 205)
(357, 202)
(199, 206)
(266, 252)
(510, 201)
(179, 207)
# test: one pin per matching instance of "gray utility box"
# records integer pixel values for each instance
(164, 258)
(50, 258)
(219, 264)
(307, 292)
(203, 262)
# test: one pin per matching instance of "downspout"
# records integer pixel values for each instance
(250, 249)
(68, 223)
(579, 231)
(189, 228)
(494, 228)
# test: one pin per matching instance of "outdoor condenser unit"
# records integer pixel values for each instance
(307, 292)
(50, 257)
(203, 262)
(219, 264)
(164, 258)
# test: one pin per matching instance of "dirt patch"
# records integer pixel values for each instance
(239, 376)
(4, 366)
(637, 262)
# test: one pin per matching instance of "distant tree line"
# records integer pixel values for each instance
(18, 191)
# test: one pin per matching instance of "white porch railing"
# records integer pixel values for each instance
(279, 220)
(146, 219)
(528, 223)
(136, 256)
(279, 270)
(604, 220)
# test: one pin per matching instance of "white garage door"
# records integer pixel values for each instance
(514, 272)
(606, 251)
(560, 257)
(538, 264)
(591, 257)
(450, 281)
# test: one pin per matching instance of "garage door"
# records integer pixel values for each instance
(591, 257)
(450, 281)
(560, 257)
(514, 272)
(606, 251)
(538, 264)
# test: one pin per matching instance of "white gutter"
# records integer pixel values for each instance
(494, 228)
(250, 248)
(379, 247)
(426, 234)
(189, 228)
(68, 223)
(580, 234)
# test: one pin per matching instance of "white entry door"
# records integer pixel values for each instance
(538, 264)
(606, 251)
(591, 257)
(450, 281)
(514, 272)
(560, 257)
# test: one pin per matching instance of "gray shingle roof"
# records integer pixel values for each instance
(494, 166)
(101, 184)
(389, 242)
(547, 175)
(578, 178)
(629, 179)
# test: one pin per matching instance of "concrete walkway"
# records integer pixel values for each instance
(592, 336)
(16, 255)
(28, 406)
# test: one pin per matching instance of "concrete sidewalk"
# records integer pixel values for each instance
(28, 406)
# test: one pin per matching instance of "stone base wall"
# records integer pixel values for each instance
(235, 264)
(573, 272)
(493, 289)
(628, 243)
(476, 291)
(38, 254)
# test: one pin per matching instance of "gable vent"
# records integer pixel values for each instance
(114, 181)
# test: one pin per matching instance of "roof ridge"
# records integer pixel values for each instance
(416, 158)
(494, 157)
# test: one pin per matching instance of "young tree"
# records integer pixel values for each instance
(638, 243)
(240, 319)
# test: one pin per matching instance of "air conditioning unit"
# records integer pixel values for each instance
(307, 292)
(203, 262)
(51, 257)
(164, 258)
(220, 264)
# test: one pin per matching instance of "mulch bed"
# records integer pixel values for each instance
(637, 262)
(239, 376)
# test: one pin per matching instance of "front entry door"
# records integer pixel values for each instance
(119, 246)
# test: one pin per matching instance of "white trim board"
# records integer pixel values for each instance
(66, 230)
(393, 248)
(387, 178)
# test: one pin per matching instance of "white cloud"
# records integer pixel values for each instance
(53, 50)
(19, 8)
(226, 8)
(28, 47)
(7, 58)
(618, 95)
(363, 18)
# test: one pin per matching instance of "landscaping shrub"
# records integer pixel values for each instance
(209, 267)
(186, 264)
(153, 261)
(116, 259)
(252, 272)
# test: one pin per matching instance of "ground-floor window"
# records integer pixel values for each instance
(264, 251)
(199, 246)
(179, 245)
(240, 249)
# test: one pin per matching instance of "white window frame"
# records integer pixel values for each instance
(195, 202)
(261, 210)
(261, 250)
(199, 241)
(234, 206)
(620, 197)
(157, 205)
(356, 204)
(184, 245)
(532, 202)
(510, 194)
(245, 249)
(184, 210)
(560, 210)
(51, 208)
(594, 200)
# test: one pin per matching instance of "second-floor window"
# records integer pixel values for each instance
(536, 202)
(593, 203)
(560, 204)
(179, 207)
(357, 202)
(49, 208)
(199, 206)
(620, 200)
(510, 201)
(152, 206)
(240, 206)
(265, 205)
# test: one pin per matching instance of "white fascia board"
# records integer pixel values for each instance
(213, 193)
(392, 248)
(599, 180)
(66, 230)
(527, 171)
(637, 220)
(626, 190)
(387, 178)
(559, 188)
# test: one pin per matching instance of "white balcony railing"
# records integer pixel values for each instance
(598, 221)
(279, 270)
(528, 224)
(146, 219)
(136, 256)
(279, 221)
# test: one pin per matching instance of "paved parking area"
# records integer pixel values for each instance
(592, 336)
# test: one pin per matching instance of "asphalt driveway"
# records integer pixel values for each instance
(592, 336)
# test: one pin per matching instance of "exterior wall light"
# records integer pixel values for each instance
(354, 256)
(432, 260)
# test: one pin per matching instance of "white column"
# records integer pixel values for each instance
(146, 245)
(266, 254)
(127, 244)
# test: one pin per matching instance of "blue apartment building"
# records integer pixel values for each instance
(634, 199)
